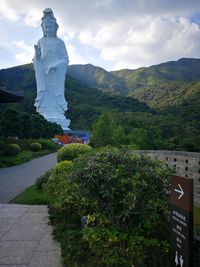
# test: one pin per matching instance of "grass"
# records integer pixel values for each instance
(32, 196)
(23, 156)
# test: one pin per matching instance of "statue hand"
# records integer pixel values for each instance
(50, 68)
(37, 51)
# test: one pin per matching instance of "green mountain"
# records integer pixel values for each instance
(160, 103)
(161, 86)
(99, 78)
(85, 103)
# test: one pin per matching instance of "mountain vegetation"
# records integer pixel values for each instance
(159, 104)
(161, 86)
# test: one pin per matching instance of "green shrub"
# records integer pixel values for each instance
(25, 143)
(12, 150)
(41, 181)
(36, 147)
(71, 151)
(47, 144)
(124, 198)
(56, 186)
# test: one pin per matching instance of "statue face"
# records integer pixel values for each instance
(50, 29)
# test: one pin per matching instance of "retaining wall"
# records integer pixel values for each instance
(184, 163)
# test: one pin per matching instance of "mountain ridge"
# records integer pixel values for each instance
(163, 108)
(160, 86)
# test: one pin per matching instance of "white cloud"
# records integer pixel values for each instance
(7, 12)
(145, 42)
(126, 34)
(74, 56)
(24, 52)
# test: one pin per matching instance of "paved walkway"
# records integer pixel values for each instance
(25, 237)
(14, 180)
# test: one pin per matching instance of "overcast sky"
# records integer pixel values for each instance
(112, 34)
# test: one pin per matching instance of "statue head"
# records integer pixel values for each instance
(49, 24)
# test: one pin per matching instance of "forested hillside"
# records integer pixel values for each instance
(156, 107)
(162, 86)
(85, 103)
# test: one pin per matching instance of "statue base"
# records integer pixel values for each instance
(61, 120)
(64, 123)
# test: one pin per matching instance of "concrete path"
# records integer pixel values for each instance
(25, 237)
(14, 180)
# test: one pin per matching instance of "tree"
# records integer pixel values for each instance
(26, 125)
(11, 123)
(38, 126)
(139, 137)
(103, 130)
(119, 137)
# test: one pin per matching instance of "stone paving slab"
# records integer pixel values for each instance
(37, 209)
(6, 224)
(16, 252)
(47, 243)
(26, 237)
(10, 212)
(46, 259)
(34, 218)
(25, 232)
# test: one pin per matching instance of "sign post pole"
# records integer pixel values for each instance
(181, 221)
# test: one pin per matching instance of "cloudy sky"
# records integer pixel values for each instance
(113, 34)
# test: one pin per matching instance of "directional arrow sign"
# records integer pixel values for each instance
(181, 221)
(180, 191)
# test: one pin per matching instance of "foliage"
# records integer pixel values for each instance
(32, 196)
(119, 137)
(14, 123)
(42, 181)
(26, 125)
(47, 144)
(172, 89)
(12, 150)
(124, 198)
(139, 137)
(103, 129)
(10, 123)
(69, 152)
(25, 154)
(36, 147)
(56, 186)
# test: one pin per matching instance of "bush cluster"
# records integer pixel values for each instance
(12, 149)
(25, 125)
(48, 144)
(36, 147)
(56, 186)
(122, 202)
(69, 152)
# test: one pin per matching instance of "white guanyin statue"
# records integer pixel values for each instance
(50, 64)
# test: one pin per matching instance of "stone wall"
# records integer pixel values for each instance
(184, 163)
